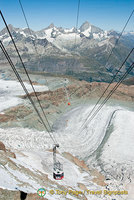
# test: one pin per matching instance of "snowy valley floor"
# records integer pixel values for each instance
(98, 157)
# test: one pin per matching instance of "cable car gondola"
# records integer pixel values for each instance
(58, 173)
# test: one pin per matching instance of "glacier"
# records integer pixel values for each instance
(105, 143)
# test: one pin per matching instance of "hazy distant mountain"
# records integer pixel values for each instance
(82, 53)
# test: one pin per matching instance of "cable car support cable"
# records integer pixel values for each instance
(113, 90)
(25, 69)
(23, 86)
(57, 166)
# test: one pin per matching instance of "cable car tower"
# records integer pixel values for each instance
(58, 173)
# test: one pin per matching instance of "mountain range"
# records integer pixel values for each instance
(81, 53)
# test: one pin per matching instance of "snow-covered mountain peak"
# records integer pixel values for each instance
(57, 40)
(10, 26)
(4, 30)
(90, 30)
(86, 25)
(50, 26)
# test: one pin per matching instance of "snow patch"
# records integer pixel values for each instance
(69, 30)
(9, 90)
(120, 146)
(7, 40)
(23, 33)
(87, 32)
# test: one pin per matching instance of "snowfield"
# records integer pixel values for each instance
(9, 90)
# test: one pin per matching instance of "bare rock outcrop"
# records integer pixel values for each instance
(2, 146)
(7, 152)
(83, 89)
(15, 113)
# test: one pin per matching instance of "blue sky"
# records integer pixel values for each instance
(106, 14)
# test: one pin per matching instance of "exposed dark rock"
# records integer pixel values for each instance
(2, 146)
